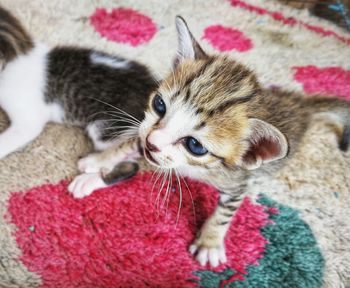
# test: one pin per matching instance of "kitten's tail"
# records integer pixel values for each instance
(14, 39)
(343, 115)
(345, 138)
(337, 112)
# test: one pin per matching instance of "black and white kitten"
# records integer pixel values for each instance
(66, 85)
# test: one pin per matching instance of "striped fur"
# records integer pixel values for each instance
(14, 39)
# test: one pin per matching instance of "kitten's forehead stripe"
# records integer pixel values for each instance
(188, 94)
(205, 67)
(200, 125)
(174, 95)
(190, 79)
(201, 71)
(199, 110)
(235, 101)
(197, 74)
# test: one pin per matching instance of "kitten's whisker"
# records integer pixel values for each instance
(114, 107)
(165, 175)
(119, 127)
(130, 132)
(171, 187)
(120, 117)
(114, 114)
(180, 197)
(123, 121)
(131, 128)
(159, 173)
(120, 114)
(168, 198)
(154, 173)
(116, 120)
(168, 189)
(190, 193)
(126, 135)
(113, 111)
(165, 179)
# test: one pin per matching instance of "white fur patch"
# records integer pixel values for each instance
(98, 58)
(84, 184)
(213, 256)
(22, 86)
(178, 122)
(94, 132)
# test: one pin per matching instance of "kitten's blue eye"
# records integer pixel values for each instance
(195, 147)
(159, 105)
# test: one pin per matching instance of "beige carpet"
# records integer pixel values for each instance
(316, 182)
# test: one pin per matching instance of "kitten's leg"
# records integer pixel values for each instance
(84, 184)
(18, 135)
(107, 159)
(209, 244)
(98, 168)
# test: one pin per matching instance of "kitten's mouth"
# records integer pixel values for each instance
(149, 157)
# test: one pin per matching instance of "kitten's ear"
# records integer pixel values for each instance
(188, 47)
(265, 144)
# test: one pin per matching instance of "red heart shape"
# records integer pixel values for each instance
(117, 238)
(123, 25)
(327, 80)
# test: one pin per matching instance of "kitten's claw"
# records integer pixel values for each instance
(215, 256)
(84, 184)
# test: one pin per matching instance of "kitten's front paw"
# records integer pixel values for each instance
(207, 250)
(84, 184)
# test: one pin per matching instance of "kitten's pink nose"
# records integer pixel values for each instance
(151, 147)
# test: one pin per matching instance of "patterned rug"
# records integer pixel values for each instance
(292, 230)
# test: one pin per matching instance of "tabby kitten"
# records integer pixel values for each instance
(66, 84)
(212, 121)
